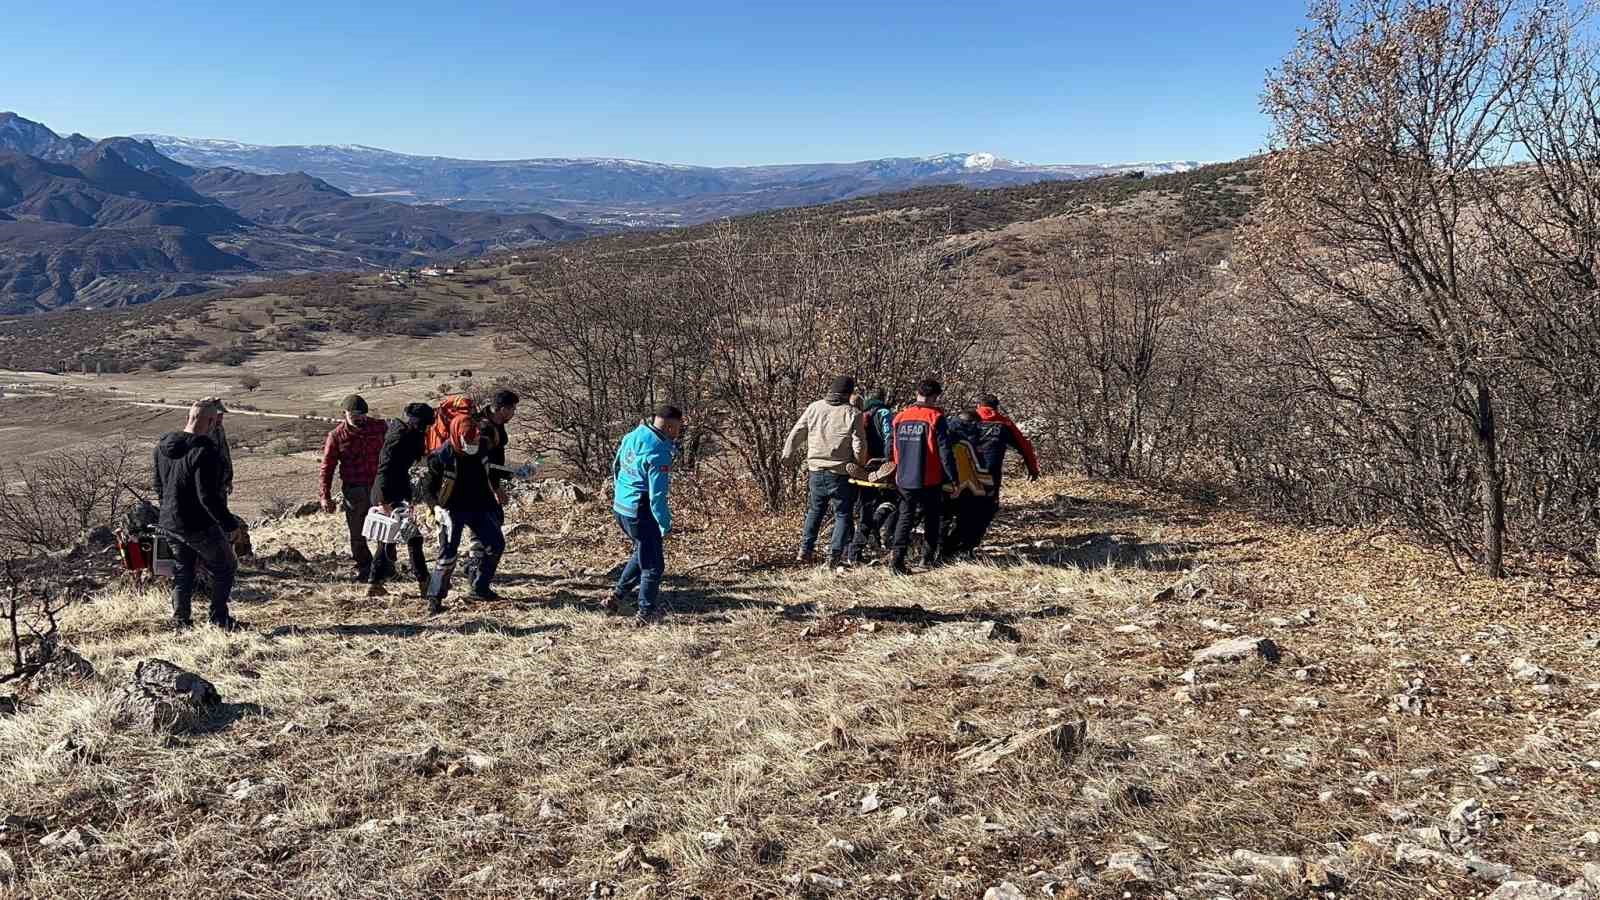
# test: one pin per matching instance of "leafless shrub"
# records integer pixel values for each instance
(30, 612)
(50, 505)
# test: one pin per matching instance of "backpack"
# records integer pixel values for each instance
(453, 422)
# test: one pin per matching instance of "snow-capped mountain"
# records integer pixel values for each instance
(20, 135)
(619, 191)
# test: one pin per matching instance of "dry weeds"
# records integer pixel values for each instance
(793, 733)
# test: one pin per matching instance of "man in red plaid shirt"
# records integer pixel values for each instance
(352, 448)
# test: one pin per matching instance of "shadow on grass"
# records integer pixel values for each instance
(225, 715)
(407, 630)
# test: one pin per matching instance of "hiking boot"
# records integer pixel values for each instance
(231, 624)
(611, 604)
(377, 590)
(361, 576)
(642, 620)
(488, 596)
(182, 624)
(835, 562)
(899, 566)
(806, 558)
(435, 606)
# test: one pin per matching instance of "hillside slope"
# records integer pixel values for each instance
(120, 223)
(790, 733)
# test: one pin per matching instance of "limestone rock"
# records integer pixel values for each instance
(1534, 890)
(1063, 740)
(1291, 867)
(1530, 673)
(72, 841)
(1467, 818)
(308, 508)
(1131, 865)
(1238, 650)
(161, 697)
(1005, 890)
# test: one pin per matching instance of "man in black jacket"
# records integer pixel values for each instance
(188, 477)
(402, 448)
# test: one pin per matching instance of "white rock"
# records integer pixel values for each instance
(871, 803)
(1239, 649)
(1466, 819)
(1486, 764)
(72, 841)
(843, 846)
(1523, 670)
(1131, 864)
(1280, 866)
(1005, 890)
(713, 840)
(550, 808)
(1590, 839)
(1532, 890)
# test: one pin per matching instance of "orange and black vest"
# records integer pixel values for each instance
(922, 454)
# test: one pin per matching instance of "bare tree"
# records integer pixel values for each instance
(51, 505)
(1386, 115)
(1115, 377)
(30, 614)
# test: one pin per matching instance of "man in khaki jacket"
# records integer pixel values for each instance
(833, 439)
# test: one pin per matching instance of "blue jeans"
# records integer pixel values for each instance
(485, 526)
(826, 488)
(648, 562)
(211, 547)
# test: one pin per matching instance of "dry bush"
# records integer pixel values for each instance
(1113, 349)
(49, 506)
(30, 613)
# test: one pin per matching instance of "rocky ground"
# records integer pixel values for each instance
(1135, 695)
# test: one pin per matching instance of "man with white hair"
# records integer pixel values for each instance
(188, 479)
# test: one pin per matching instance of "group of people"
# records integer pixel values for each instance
(462, 475)
(881, 472)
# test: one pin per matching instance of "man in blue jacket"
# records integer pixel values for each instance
(642, 473)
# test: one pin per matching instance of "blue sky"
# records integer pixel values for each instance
(713, 83)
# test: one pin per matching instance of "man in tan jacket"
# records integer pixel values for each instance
(833, 439)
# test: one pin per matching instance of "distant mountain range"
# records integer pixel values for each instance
(127, 220)
(621, 191)
(88, 223)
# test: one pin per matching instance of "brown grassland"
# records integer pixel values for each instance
(793, 733)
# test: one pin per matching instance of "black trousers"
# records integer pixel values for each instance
(928, 504)
(973, 515)
(383, 565)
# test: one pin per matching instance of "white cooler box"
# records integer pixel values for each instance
(391, 529)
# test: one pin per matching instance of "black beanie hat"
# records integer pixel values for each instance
(844, 386)
(421, 413)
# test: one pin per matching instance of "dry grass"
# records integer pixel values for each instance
(777, 700)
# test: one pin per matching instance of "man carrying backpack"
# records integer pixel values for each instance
(194, 514)
(352, 449)
(831, 431)
(923, 465)
(642, 475)
(403, 442)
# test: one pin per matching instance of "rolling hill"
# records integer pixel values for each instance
(119, 222)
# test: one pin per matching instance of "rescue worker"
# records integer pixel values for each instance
(923, 465)
(995, 434)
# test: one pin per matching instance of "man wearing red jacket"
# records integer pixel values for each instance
(995, 434)
(924, 463)
(352, 449)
